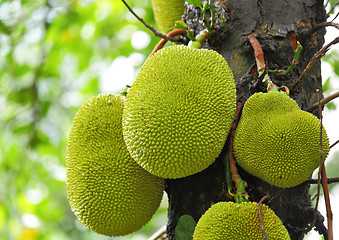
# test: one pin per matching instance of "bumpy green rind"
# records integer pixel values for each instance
(108, 192)
(179, 111)
(230, 221)
(166, 13)
(277, 141)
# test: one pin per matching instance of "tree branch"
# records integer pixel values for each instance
(315, 58)
(150, 27)
(159, 234)
(323, 101)
(332, 8)
(309, 32)
(329, 213)
(336, 142)
(329, 180)
(322, 171)
(162, 42)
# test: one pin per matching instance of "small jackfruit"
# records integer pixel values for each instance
(108, 192)
(229, 221)
(277, 141)
(166, 13)
(179, 111)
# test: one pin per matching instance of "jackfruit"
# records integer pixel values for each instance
(108, 192)
(277, 141)
(179, 111)
(166, 13)
(229, 221)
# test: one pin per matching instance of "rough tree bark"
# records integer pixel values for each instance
(277, 25)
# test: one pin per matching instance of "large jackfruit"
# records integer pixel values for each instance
(107, 190)
(167, 12)
(179, 111)
(230, 221)
(277, 141)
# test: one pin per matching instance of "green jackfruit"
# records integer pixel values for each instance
(277, 141)
(230, 221)
(167, 12)
(108, 192)
(179, 111)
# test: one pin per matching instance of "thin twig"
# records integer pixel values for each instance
(322, 171)
(332, 8)
(159, 233)
(321, 165)
(150, 27)
(260, 218)
(329, 213)
(329, 180)
(323, 101)
(315, 58)
(308, 32)
(335, 17)
(334, 144)
(321, 128)
(163, 41)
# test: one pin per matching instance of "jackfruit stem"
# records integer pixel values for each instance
(240, 185)
(200, 39)
(180, 24)
(260, 217)
(295, 60)
(258, 54)
(228, 175)
(162, 42)
(212, 10)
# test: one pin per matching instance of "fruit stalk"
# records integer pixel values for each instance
(162, 42)
(240, 185)
(260, 217)
(258, 54)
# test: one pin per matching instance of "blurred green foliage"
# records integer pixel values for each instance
(52, 57)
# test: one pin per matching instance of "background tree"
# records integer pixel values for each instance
(54, 55)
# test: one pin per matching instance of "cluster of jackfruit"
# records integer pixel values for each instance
(170, 126)
(179, 111)
(277, 141)
(229, 221)
(166, 13)
(107, 190)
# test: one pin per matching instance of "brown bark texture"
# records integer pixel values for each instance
(277, 25)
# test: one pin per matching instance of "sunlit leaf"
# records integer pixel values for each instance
(331, 106)
(196, 3)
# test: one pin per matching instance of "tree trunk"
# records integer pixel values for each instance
(277, 25)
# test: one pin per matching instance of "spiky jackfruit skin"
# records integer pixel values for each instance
(229, 221)
(277, 141)
(166, 13)
(108, 191)
(179, 111)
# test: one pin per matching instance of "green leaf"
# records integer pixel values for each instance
(331, 106)
(326, 85)
(185, 228)
(196, 3)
